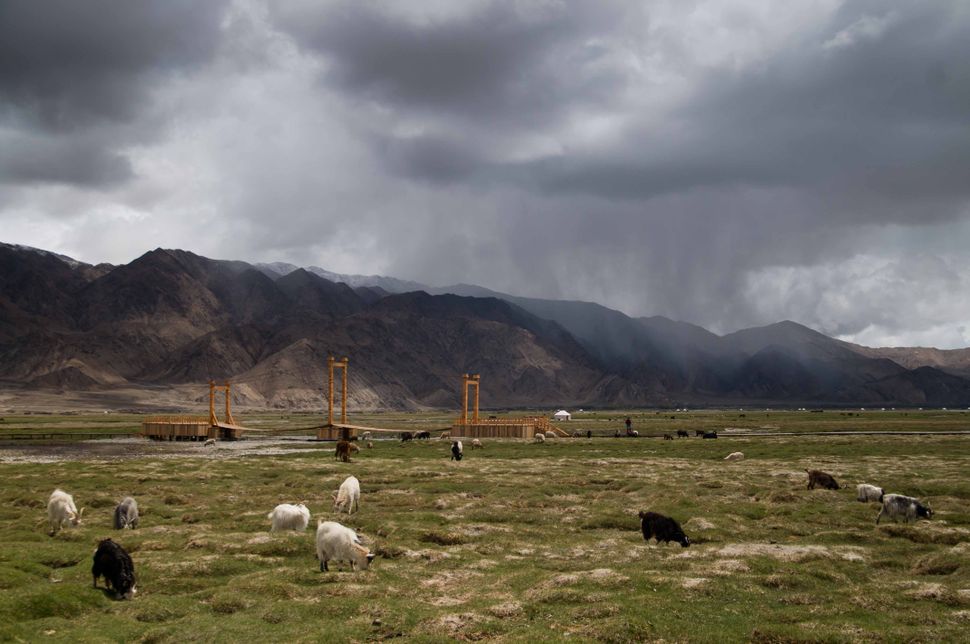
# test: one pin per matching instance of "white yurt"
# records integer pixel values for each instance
(562, 414)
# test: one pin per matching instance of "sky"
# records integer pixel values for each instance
(731, 163)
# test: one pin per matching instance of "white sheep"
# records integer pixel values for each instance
(366, 436)
(347, 498)
(539, 437)
(289, 517)
(209, 442)
(734, 456)
(477, 444)
(339, 543)
(866, 493)
(61, 510)
(550, 434)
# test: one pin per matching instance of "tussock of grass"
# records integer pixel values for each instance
(443, 538)
(937, 563)
(919, 534)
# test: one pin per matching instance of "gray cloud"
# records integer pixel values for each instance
(497, 62)
(725, 163)
(74, 75)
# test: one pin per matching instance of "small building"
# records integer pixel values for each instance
(562, 414)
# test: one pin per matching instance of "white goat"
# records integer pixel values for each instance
(734, 456)
(126, 514)
(347, 498)
(339, 543)
(897, 505)
(61, 510)
(866, 493)
(286, 516)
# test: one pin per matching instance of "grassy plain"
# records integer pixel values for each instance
(517, 542)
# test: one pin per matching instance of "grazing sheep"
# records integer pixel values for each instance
(423, 436)
(444, 435)
(112, 562)
(289, 517)
(370, 445)
(632, 433)
(61, 510)
(709, 435)
(339, 543)
(818, 478)
(126, 514)
(662, 529)
(347, 498)
(668, 437)
(539, 437)
(477, 444)
(866, 493)
(209, 442)
(457, 450)
(342, 453)
(354, 448)
(365, 436)
(406, 436)
(682, 434)
(734, 456)
(699, 432)
(550, 434)
(897, 505)
(577, 434)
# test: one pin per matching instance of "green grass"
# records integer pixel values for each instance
(518, 542)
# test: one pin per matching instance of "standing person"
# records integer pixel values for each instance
(629, 425)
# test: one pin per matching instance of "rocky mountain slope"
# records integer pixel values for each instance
(172, 318)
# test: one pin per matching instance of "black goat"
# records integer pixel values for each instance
(662, 529)
(112, 562)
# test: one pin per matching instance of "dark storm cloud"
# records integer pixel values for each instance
(82, 67)
(862, 111)
(43, 158)
(499, 62)
(725, 162)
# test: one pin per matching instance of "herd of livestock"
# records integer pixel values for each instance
(338, 543)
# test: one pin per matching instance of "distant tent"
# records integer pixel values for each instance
(562, 414)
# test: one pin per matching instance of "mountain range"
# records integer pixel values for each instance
(171, 320)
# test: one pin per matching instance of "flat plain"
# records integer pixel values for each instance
(517, 542)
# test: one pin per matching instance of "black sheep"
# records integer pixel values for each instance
(115, 565)
(406, 436)
(662, 529)
(709, 435)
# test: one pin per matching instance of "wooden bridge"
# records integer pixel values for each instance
(196, 428)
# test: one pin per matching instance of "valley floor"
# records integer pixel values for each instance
(517, 542)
